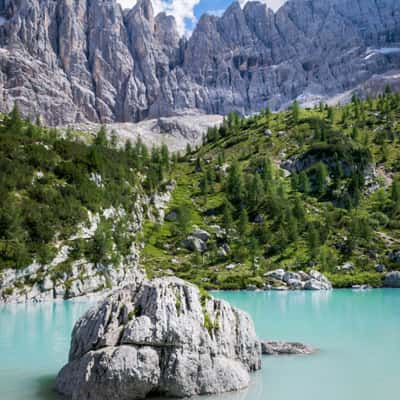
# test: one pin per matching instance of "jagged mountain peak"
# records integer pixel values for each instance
(145, 8)
(73, 61)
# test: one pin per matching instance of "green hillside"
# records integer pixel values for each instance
(297, 189)
(301, 189)
(50, 186)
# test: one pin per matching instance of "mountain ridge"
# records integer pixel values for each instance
(71, 61)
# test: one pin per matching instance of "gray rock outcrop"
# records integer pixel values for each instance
(392, 279)
(160, 337)
(75, 61)
(273, 348)
(197, 241)
(194, 244)
(284, 280)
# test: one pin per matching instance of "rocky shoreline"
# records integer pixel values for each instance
(286, 280)
(314, 281)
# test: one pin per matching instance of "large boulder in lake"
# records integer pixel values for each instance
(164, 337)
(392, 279)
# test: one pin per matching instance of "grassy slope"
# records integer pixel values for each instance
(369, 226)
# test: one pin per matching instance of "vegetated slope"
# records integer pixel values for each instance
(316, 187)
(71, 213)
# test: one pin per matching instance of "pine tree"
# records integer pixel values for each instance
(102, 243)
(299, 211)
(198, 165)
(165, 155)
(266, 171)
(395, 196)
(101, 137)
(184, 219)
(255, 192)
(211, 178)
(144, 153)
(295, 112)
(128, 147)
(304, 183)
(234, 185)
(114, 139)
(292, 226)
(243, 224)
(294, 181)
(221, 158)
(204, 185)
(14, 122)
(331, 115)
(321, 175)
(227, 214)
(267, 114)
(313, 242)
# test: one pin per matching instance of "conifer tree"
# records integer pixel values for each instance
(227, 214)
(243, 224)
(14, 122)
(313, 242)
(321, 175)
(204, 185)
(101, 137)
(295, 112)
(234, 186)
(304, 183)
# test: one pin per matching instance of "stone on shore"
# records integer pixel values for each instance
(273, 348)
(392, 279)
(285, 280)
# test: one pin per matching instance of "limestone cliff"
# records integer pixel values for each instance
(77, 61)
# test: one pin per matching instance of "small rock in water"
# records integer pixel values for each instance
(273, 348)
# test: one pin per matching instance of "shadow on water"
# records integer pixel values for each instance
(45, 389)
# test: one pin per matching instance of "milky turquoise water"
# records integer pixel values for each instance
(358, 334)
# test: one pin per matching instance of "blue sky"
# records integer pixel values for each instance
(187, 12)
(215, 5)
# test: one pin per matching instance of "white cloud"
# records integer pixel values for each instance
(217, 13)
(127, 3)
(182, 10)
(274, 4)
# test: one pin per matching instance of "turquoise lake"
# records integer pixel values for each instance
(357, 332)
